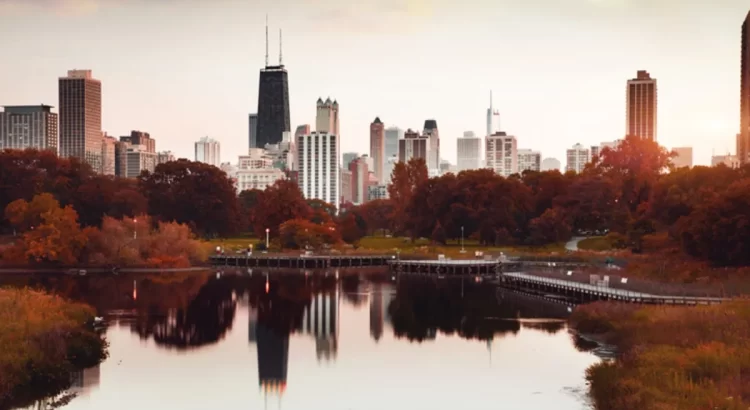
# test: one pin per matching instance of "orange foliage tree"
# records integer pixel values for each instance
(303, 234)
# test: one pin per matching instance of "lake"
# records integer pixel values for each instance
(319, 340)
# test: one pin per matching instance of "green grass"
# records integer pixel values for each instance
(599, 244)
(233, 244)
(451, 250)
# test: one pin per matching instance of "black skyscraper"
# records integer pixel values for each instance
(273, 106)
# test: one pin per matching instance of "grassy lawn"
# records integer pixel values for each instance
(451, 250)
(599, 243)
(233, 244)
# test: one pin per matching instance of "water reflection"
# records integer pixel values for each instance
(181, 341)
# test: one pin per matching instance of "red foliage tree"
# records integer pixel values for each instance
(281, 202)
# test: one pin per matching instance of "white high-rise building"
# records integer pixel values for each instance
(578, 157)
(207, 150)
(492, 125)
(551, 164)
(468, 151)
(501, 154)
(529, 160)
(318, 167)
(392, 136)
(433, 151)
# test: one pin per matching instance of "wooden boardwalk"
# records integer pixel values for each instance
(299, 261)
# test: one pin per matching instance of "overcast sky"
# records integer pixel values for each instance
(184, 69)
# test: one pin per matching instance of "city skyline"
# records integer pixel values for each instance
(221, 85)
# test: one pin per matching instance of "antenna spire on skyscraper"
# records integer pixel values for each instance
(280, 52)
(266, 40)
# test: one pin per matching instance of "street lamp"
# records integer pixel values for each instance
(267, 231)
(135, 228)
(462, 240)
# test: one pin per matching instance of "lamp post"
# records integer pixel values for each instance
(462, 240)
(267, 242)
(135, 228)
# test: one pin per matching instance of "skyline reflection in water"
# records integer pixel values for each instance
(314, 342)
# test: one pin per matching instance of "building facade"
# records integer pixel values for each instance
(433, 150)
(80, 131)
(252, 130)
(376, 192)
(348, 157)
(551, 164)
(642, 106)
(578, 157)
(529, 160)
(468, 152)
(137, 160)
(501, 153)
(392, 136)
(318, 167)
(732, 161)
(327, 117)
(346, 186)
(208, 151)
(743, 138)
(108, 155)
(141, 138)
(23, 127)
(684, 157)
(377, 148)
(413, 146)
(273, 105)
(360, 180)
(164, 156)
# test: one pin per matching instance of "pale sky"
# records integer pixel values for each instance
(184, 69)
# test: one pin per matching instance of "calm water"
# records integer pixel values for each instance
(198, 341)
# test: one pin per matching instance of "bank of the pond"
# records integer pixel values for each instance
(670, 357)
(42, 339)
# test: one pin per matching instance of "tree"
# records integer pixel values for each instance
(101, 196)
(193, 193)
(322, 212)
(551, 227)
(281, 202)
(352, 226)
(249, 202)
(303, 234)
(438, 234)
(405, 179)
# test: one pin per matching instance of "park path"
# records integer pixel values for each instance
(572, 244)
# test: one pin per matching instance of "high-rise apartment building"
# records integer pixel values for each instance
(80, 102)
(392, 137)
(377, 148)
(468, 152)
(252, 130)
(108, 155)
(529, 160)
(327, 117)
(413, 145)
(360, 180)
(578, 157)
(433, 151)
(743, 138)
(684, 157)
(551, 164)
(642, 106)
(318, 167)
(501, 153)
(273, 102)
(208, 151)
(23, 127)
(141, 138)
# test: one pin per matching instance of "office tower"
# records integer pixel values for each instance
(24, 126)
(377, 148)
(392, 137)
(208, 151)
(551, 164)
(413, 145)
(684, 157)
(141, 138)
(468, 151)
(501, 154)
(360, 180)
(529, 160)
(138, 159)
(346, 186)
(327, 117)
(642, 106)
(578, 157)
(318, 167)
(108, 155)
(80, 105)
(743, 138)
(492, 125)
(301, 130)
(273, 102)
(252, 130)
(433, 151)
(348, 157)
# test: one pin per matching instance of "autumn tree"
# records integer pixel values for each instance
(352, 226)
(193, 193)
(438, 234)
(281, 202)
(551, 227)
(102, 195)
(405, 179)
(303, 234)
(322, 212)
(249, 202)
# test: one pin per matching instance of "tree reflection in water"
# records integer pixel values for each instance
(424, 306)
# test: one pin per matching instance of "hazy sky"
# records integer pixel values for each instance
(184, 69)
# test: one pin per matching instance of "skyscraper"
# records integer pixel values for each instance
(529, 160)
(413, 145)
(318, 167)
(468, 152)
(433, 151)
(377, 148)
(641, 106)
(208, 151)
(327, 117)
(492, 125)
(80, 104)
(501, 154)
(23, 127)
(392, 136)
(360, 181)
(273, 102)
(578, 157)
(108, 155)
(743, 139)
(252, 130)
